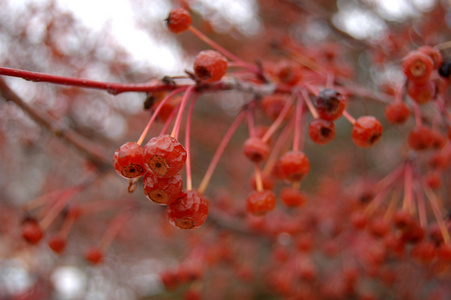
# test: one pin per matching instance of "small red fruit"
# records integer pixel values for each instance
(366, 131)
(179, 20)
(273, 105)
(162, 190)
(255, 149)
(189, 211)
(293, 166)
(128, 160)
(420, 138)
(434, 54)
(57, 244)
(417, 66)
(330, 104)
(321, 131)
(32, 232)
(292, 197)
(421, 92)
(94, 255)
(397, 113)
(260, 202)
(210, 66)
(164, 156)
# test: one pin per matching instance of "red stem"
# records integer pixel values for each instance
(189, 182)
(178, 120)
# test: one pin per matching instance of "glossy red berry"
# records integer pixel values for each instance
(330, 104)
(164, 156)
(162, 190)
(293, 166)
(189, 211)
(94, 255)
(256, 150)
(397, 113)
(366, 131)
(420, 138)
(321, 131)
(417, 66)
(32, 232)
(260, 202)
(128, 160)
(292, 197)
(210, 66)
(179, 20)
(57, 244)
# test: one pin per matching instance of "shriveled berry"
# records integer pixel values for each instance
(179, 20)
(128, 160)
(164, 156)
(162, 190)
(366, 131)
(420, 138)
(255, 149)
(57, 244)
(417, 66)
(189, 211)
(210, 66)
(292, 197)
(421, 92)
(293, 166)
(397, 113)
(260, 202)
(94, 255)
(32, 232)
(321, 131)
(330, 104)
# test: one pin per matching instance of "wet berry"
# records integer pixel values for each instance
(366, 131)
(179, 20)
(164, 156)
(210, 66)
(128, 160)
(321, 131)
(293, 166)
(417, 66)
(397, 113)
(162, 190)
(260, 202)
(330, 104)
(256, 150)
(189, 211)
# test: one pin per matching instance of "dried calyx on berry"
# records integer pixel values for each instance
(189, 210)
(162, 190)
(128, 160)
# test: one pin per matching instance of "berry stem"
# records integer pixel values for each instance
(113, 229)
(66, 227)
(408, 188)
(330, 78)
(189, 182)
(169, 120)
(258, 178)
(437, 213)
(250, 120)
(348, 117)
(222, 145)
(275, 125)
(309, 104)
(417, 114)
(298, 125)
(421, 208)
(155, 114)
(178, 120)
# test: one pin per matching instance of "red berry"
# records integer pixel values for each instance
(256, 150)
(366, 131)
(189, 211)
(164, 156)
(273, 105)
(434, 54)
(32, 232)
(433, 179)
(293, 166)
(359, 219)
(379, 227)
(57, 243)
(397, 113)
(420, 138)
(267, 181)
(417, 66)
(330, 104)
(179, 20)
(260, 202)
(128, 160)
(321, 131)
(210, 66)
(288, 73)
(403, 219)
(421, 92)
(162, 190)
(424, 252)
(444, 252)
(94, 255)
(292, 197)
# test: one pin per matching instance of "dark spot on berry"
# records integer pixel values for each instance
(374, 138)
(325, 131)
(132, 171)
(158, 196)
(203, 73)
(158, 165)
